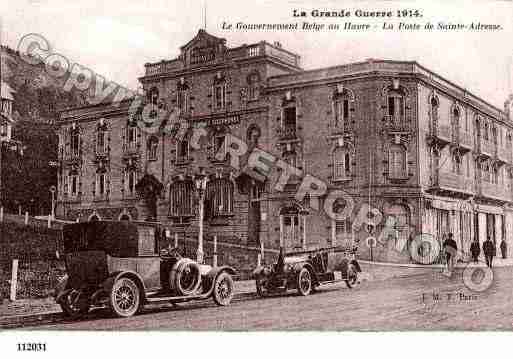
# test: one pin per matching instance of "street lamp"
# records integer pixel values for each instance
(200, 182)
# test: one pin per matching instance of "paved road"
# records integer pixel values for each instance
(394, 304)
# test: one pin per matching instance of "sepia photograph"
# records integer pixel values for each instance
(261, 166)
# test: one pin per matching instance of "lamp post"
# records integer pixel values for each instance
(201, 184)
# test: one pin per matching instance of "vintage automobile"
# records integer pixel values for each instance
(307, 270)
(121, 265)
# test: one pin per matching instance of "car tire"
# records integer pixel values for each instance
(125, 297)
(74, 304)
(223, 289)
(352, 276)
(304, 282)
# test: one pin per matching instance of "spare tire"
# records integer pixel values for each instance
(185, 277)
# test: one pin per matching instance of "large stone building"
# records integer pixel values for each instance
(420, 149)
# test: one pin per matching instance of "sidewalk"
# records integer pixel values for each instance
(25, 311)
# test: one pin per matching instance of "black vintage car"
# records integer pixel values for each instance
(121, 265)
(307, 270)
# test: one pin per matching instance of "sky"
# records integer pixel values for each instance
(115, 38)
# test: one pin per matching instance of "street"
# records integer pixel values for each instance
(428, 301)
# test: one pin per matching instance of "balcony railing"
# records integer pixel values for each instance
(487, 147)
(454, 182)
(465, 139)
(495, 191)
(504, 154)
(287, 133)
(441, 132)
(396, 123)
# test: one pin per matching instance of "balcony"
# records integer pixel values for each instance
(464, 139)
(455, 183)
(494, 191)
(504, 154)
(440, 134)
(130, 149)
(486, 147)
(287, 133)
(396, 124)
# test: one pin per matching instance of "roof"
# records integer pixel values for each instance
(6, 92)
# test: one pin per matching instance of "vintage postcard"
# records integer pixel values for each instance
(255, 166)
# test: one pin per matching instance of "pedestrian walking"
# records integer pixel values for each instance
(475, 250)
(489, 252)
(450, 248)
(504, 249)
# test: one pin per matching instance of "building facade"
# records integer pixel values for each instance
(419, 149)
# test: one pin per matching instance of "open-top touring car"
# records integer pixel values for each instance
(120, 264)
(307, 270)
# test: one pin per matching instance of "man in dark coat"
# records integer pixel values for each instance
(450, 248)
(504, 249)
(475, 250)
(489, 251)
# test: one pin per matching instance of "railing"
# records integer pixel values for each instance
(130, 147)
(287, 133)
(504, 154)
(163, 67)
(487, 147)
(495, 191)
(465, 139)
(455, 182)
(442, 132)
(396, 123)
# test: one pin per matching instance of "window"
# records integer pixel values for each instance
(101, 184)
(253, 86)
(341, 112)
(397, 161)
(101, 141)
(182, 151)
(485, 132)
(341, 163)
(221, 196)
(181, 197)
(75, 142)
(289, 118)
(456, 120)
(130, 181)
(154, 97)
(456, 163)
(220, 95)
(152, 147)
(396, 105)
(73, 180)
(3, 129)
(342, 229)
(290, 158)
(131, 136)
(219, 145)
(183, 99)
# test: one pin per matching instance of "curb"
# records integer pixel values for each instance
(14, 321)
(431, 266)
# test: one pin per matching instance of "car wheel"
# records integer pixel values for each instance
(304, 282)
(75, 304)
(125, 297)
(352, 277)
(223, 289)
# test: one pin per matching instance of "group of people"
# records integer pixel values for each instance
(451, 248)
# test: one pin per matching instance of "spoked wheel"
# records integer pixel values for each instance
(352, 277)
(260, 287)
(125, 298)
(75, 304)
(223, 289)
(304, 282)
